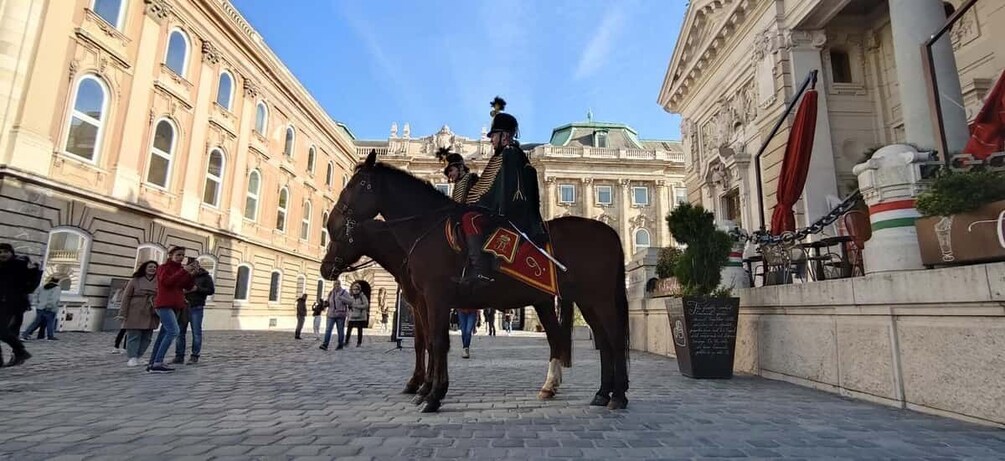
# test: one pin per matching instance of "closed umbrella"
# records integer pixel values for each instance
(795, 165)
(987, 132)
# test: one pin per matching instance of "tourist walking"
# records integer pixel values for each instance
(119, 346)
(467, 318)
(490, 320)
(338, 309)
(319, 307)
(508, 322)
(195, 298)
(46, 307)
(19, 277)
(137, 311)
(301, 315)
(172, 280)
(359, 313)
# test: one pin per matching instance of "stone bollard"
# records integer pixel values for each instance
(890, 182)
(639, 270)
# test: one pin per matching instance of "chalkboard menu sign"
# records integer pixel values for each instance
(704, 335)
(404, 321)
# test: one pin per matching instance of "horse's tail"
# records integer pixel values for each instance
(566, 310)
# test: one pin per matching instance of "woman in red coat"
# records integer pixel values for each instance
(172, 281)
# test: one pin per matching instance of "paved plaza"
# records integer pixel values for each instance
(263, 395)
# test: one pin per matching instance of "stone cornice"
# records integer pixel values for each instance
(708, 28)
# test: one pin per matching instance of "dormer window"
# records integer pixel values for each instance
(599, 139)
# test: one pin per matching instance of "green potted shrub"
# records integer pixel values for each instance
(703, 317)
(962, 218)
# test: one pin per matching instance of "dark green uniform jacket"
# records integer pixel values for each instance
(508, 188)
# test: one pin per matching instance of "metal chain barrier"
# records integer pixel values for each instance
(762, 237)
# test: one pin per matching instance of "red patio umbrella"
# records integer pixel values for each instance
(796, 164)
(987, 132)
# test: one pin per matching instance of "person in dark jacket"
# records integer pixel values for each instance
(490, 320)
(319, 308)
(301, 314)
(195, 298)
(172, 280)
(19, 277)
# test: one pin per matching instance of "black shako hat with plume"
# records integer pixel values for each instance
(502, 121)
(450, 159)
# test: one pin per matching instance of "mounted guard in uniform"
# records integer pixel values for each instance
(507, 192)
(457, 173)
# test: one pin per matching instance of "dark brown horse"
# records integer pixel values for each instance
(375, 239)
(590, 249)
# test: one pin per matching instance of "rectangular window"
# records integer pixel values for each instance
(444, 188)
(640, 196)
(679, 196)
(731, 203)
(840, 66)
(605, 195)
(243, 283)
(566, 193)
(274, 286)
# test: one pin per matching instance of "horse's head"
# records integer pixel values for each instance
(358, 201)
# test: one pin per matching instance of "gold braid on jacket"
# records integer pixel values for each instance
(486, 179)
(461, 188)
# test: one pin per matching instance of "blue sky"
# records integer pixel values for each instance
(435, 62)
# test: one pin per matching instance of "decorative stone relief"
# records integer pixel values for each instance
(640, 221)
(74, 66)
(210, 53)
(157, 9)
(966, 30)
(250, 88)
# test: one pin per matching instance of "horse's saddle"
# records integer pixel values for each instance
(515, 257)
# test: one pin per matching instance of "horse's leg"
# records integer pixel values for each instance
(419, 372)
(552, 329)
(595, 318)
(619, 399)
(439, 331)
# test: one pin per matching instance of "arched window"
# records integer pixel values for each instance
(90, 105)
(66, 257)
(642, 240)
(111, 11)
(176, 58)
(261, 118)
(311, 158)
(305, 222)
(345, 180)
(214, 178)
(225, 90)
(242, 287)
(149, 252)
(275, 286)
(251, 200)
(320, 289)
(324, 229)
(330, 174)
(291, 136)
(301, 285)
(284, 201)
(161, 153)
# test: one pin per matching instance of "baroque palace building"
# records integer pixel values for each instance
(737, 63)
(597, 170)
(129, 126)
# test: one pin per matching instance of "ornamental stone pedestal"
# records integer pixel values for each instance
(890, 182)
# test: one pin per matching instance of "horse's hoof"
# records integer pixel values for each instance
(430, 406)
(600, 401)
(410, 389)
(618, 403)
(418, 399)
(546, 394)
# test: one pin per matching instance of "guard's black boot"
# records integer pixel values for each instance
(477, 272)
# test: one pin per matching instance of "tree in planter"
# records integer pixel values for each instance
(698, 267)
(959, 192)
(668, 259)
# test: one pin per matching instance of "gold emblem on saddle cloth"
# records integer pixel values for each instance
(503, 243)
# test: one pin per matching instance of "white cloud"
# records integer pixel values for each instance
(600, 47)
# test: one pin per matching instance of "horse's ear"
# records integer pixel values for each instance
(371, 159)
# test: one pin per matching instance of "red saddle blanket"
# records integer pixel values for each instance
(517, 258)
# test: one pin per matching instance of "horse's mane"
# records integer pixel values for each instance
(424, 195)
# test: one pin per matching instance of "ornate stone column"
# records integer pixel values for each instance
(626, 211)
(913, 23)
(821, 181)
(549, 197)
(889, 185)
(198, 149)
(662, 199)
(588, 198)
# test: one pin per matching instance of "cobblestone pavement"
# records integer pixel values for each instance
(262, 395)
